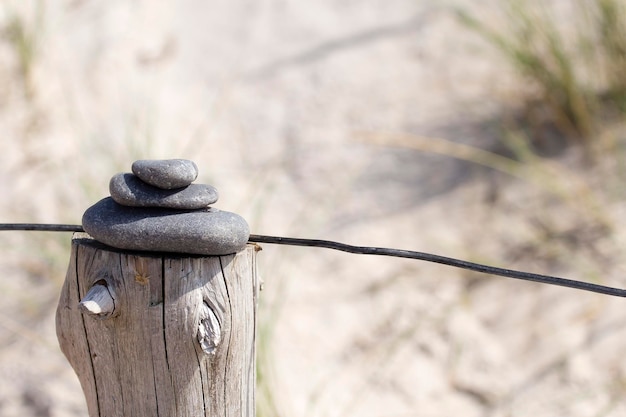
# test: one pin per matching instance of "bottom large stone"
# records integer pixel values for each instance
(203, 232)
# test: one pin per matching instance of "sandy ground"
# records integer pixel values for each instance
(283, 105)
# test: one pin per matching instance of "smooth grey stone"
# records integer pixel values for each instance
(203, 232)
(129, 190)
(166, 173)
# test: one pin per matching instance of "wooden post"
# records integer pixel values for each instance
(160, 335)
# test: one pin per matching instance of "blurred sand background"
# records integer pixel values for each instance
(318, 119)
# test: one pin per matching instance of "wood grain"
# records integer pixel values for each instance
(146, 358)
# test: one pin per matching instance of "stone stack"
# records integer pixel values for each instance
(157, 208)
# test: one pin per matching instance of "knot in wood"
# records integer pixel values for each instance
(209, 331)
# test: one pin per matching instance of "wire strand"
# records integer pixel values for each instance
(457, 263)
(30, 227)
(368, 250)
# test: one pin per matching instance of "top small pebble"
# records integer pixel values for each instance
(166, 174)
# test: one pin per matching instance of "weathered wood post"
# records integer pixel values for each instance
(159, 334)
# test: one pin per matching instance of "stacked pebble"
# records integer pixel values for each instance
(157, 208)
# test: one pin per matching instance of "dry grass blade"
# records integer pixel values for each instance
(577, 71)
(23, 332)
(25, 39)
(542, 173)
(612, 28)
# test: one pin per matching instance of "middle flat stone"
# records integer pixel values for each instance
(128, 190)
